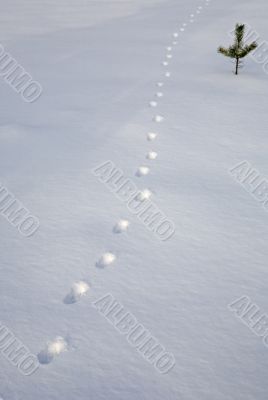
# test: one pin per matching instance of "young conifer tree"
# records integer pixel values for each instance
(238, 50)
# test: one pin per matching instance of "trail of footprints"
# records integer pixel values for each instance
(81, 288)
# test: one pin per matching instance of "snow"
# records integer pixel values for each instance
(106, 259)
(52, 349)
(78, 290)
(158, 118)
(145, 194)
(153, 103)
(100, 65)
(152, 155)
(121, 226)
(142, 170)
(151, 136)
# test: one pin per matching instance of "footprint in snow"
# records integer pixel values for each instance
(142, 171)
(182, 29)
(78, 290)
(158, 118)
(105, 260)
(52, 349)
(169, 48)
(160, 84)
(169, 56)
(174, 42)
(152, 155)
(165, 63)
(175, 34)
(153, 103)
(159, 94)
(144, 194)
(121, 226)
(184, 24)
(151, 136)
(167, 74)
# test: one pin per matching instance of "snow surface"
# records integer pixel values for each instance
(100, 64)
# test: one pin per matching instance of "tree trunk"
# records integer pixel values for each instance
(237, 66)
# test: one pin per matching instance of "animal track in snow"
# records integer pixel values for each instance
(142, 171)
(152, 155)
(78, 290)
(158, 118)
(121, 226)
(52, 349)
(105, 260)
(144, 194)
(151, 136)
(153, 103)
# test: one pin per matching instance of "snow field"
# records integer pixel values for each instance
(79, 289)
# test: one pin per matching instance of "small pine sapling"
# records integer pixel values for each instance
(238, 50)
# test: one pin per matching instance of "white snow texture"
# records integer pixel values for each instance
(139, 83)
